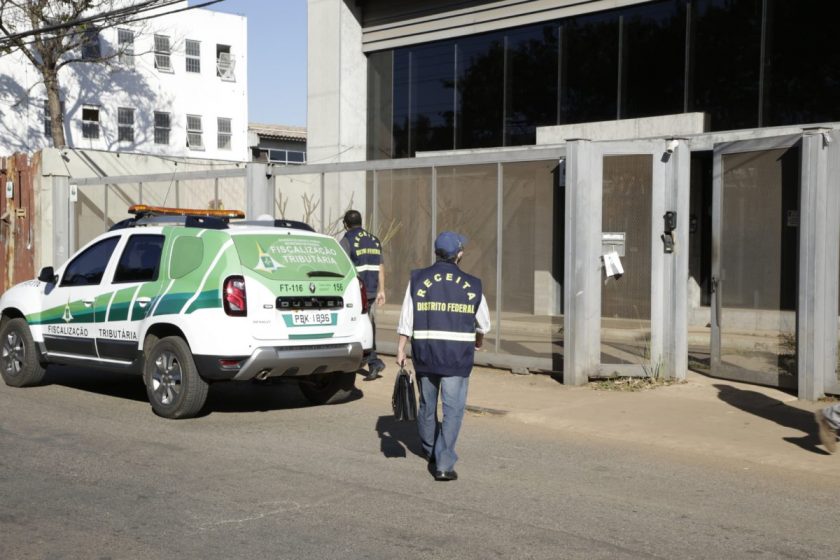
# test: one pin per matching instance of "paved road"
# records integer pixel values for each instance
(87, 471)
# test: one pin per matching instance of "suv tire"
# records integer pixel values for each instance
(20, 364)
(174, 387)
(328, 388)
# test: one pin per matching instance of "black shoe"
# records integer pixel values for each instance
(374, 373)
(446, 475)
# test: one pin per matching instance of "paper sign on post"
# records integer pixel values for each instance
(612, 265)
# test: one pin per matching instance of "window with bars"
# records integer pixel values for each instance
(224, 133)
(162, 127)
(90, 45)
(194, 138)
(163, 52)
(193, 56)
(125, 44)
(225, 63)
(125, 124)
(48, 117)
(90, 121)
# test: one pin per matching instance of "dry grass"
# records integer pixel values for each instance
(631, 384)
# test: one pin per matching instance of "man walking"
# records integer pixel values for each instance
(445, 315)
(365, 251)
(828, 422)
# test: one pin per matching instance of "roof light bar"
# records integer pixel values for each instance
(144, 210)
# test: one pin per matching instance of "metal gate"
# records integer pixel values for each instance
(17, 214)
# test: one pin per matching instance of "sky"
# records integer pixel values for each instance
(276, 58)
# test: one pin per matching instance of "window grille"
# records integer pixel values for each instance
(90, 121)
(224, 133)
(125, 124)
(162, 128)
(163, 53)
(193, 49)
(194, 138)
(125, 43)
(225, 63)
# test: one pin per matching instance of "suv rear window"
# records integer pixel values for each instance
(292, 257)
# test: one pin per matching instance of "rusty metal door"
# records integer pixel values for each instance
(17, 216)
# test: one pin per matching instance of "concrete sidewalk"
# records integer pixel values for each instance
(706, 416)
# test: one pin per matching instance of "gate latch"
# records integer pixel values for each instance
(20, 213)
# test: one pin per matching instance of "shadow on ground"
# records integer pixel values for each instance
(776, 411)
(233, 397)
(398, 438)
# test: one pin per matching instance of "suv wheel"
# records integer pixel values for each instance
(20, 365)
(174, 387)
(328, 388)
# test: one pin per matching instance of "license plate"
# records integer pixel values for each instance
(309, 318)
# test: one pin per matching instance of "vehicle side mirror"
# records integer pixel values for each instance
(47, 275)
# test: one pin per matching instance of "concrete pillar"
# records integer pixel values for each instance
(582, 289)
(818, 254)
(675, 269)
(337, 103)
(259, 187)
(63, 220)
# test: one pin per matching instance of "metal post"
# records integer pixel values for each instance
(62, 226)
(816, 322)
(259, 194)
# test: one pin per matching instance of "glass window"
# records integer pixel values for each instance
(140, 260)
(531, 85)
(802, 68)
(162, 127)
(90, 45)
(653, 32)
(193, 52)
(480, 84)
(432, 96)
(223, 131)
(589, 68)
(87, 269)
(90, 121)
(195, 141)
(125, 45)
(224, 63)
(402, 116)
(163, 53)
(466, 203)
(380, 105)
(725, 56)
(125, 123)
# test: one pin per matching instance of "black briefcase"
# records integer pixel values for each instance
(404, 400)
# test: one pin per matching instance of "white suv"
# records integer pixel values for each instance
(189, 297)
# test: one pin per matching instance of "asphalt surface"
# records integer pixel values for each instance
(87, 471)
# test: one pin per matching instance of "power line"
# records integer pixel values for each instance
(125, 13)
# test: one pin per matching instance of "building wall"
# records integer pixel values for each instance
(141, 87)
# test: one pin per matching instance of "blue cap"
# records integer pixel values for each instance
(449, 244)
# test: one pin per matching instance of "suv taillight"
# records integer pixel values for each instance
(362, 289)
(234, 298)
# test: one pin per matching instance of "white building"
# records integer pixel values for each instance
(183, 92)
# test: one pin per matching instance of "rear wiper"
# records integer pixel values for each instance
(324, 273)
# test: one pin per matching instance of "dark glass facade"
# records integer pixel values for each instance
(745, 63)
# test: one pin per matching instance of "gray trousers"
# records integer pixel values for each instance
(438, 438)
(832, 416)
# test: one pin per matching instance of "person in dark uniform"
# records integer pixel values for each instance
(365, 251)
(445, 316)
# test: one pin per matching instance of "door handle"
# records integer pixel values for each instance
(87, 302)
(717, 296)
(143, 301)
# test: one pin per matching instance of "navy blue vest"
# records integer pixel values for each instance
(366, 254)
(445, 301)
